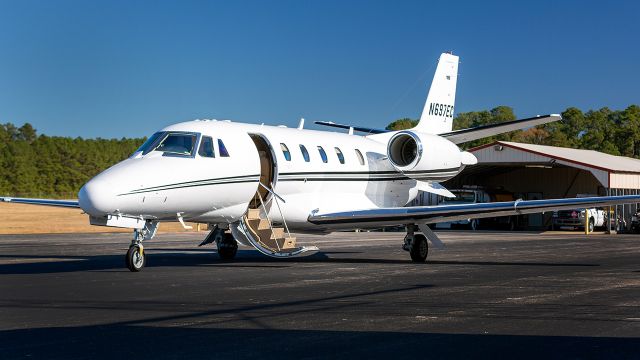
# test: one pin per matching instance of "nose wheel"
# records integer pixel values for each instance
(135, 258)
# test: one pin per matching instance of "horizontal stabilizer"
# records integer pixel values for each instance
(356, 128)
(434, 188)
(465, 135)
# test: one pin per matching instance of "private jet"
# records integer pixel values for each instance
(256, 184)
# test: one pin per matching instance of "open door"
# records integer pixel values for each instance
(268, 169)
(256, 227)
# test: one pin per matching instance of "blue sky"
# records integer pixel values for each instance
(126, 68)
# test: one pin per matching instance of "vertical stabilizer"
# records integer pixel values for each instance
(437, 115)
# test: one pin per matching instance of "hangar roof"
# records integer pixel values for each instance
(589, 158)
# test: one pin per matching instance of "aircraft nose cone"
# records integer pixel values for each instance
(96, 198)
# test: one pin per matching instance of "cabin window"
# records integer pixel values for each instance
(340, 155)
(323, 154)
(222, 149)
(178, 144)
(360, 157)
(151, 143)
(305, 153)
(285, 152)
(206, 147)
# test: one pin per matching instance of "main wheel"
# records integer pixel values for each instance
(227, 247)
(135, 258)
(473, 224)
(419, 248)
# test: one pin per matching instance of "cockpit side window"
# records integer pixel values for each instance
(206, 147)
(150, 143)
(178, 144)
(222, 149)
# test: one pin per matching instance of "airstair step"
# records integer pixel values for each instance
(289, 243)
(259, 224)
(270, 234)
(281, 243)
(253, 214)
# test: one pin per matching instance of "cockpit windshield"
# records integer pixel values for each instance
(148, 145)
(178, 144)
(170, 143)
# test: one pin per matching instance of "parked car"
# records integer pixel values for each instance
(471, 195)
(576, 218)
(635, 223)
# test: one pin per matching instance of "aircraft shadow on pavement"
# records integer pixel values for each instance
(126, 341)
(245, 258)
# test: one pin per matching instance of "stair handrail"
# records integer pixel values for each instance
(266, 214)
(284, 221)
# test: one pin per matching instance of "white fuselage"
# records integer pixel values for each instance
(219, 189)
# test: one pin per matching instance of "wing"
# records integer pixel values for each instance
(47, 202)
(445, 213)
(356, 128)
(465, 135)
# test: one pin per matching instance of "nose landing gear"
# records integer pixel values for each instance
(135, 258)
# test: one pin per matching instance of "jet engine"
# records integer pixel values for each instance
(426, 157)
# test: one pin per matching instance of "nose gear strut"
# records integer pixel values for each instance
(135, 258)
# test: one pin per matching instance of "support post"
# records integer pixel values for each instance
(609, 215)
(586, 221)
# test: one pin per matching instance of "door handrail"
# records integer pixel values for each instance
(271, 191)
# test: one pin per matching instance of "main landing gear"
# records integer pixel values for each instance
(226, 244)
(135, 258)
(416, 245)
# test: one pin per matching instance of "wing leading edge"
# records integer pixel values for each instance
(47, 202)
(465, 135)
(445, 213)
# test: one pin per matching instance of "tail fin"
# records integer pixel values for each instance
(437, 115)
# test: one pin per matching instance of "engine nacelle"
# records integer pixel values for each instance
(426, 157)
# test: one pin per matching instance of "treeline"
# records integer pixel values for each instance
(34, 165)
(610, 131)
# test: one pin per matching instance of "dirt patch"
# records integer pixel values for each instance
(33, 219)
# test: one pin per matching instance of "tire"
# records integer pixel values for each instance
(135, 259)
(474, 224)
(227, 248)
(419, 248)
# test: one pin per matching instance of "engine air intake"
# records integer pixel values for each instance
(404, 150)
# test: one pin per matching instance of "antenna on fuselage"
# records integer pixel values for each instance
(301, 124)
